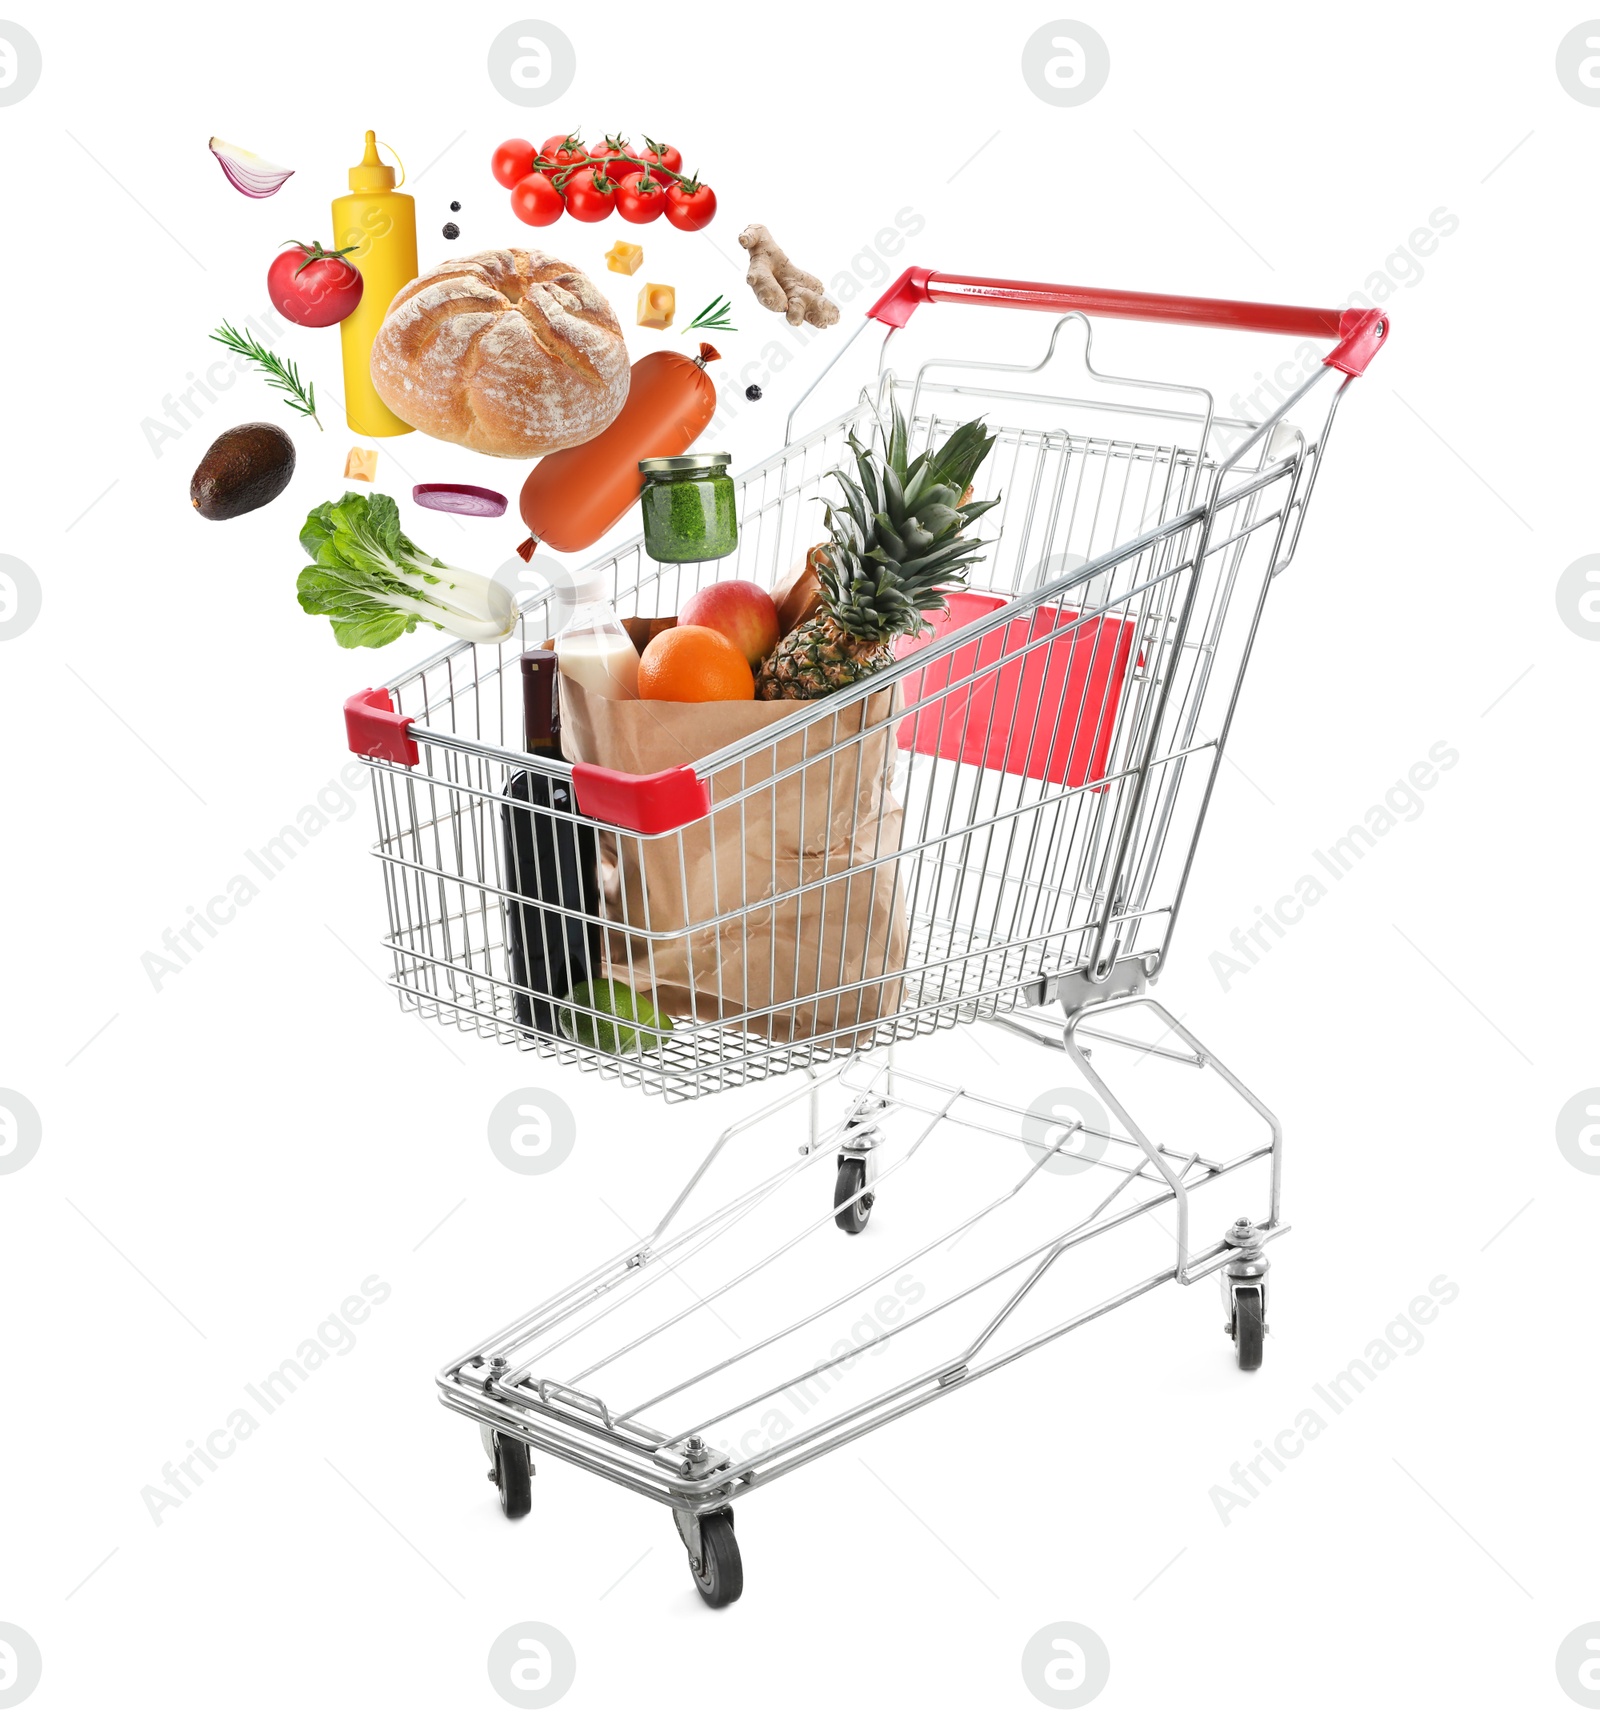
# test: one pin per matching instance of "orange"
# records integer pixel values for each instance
(694, 664)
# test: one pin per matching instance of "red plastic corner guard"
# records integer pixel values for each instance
(895, 306)
(1362, 332)
(647, 804)
(375, 730)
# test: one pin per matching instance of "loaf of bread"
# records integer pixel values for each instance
(510, 353)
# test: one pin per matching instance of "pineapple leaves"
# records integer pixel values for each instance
(894, 497)
(860, 510)
(936, 519)
(896, 550)
(961, 456)
(888, 540)
(958, 551)
(869, 472)
(897, 443)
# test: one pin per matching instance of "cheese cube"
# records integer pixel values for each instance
(624, 257)
(658, 305)
(361, 465)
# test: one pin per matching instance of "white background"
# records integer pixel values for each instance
(225, 1160)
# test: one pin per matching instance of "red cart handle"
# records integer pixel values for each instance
(1361, 331)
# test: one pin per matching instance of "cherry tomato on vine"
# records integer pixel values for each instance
(612, 156)
(690, 206)
(563, 150)
(535, 201)
(590, 197)
(511, 161)
(640, 200)
(661, 156)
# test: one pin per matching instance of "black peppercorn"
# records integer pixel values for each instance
(451, 232)
(752, 392)
(455, 204)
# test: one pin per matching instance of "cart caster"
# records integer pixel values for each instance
(851, 1186)
(1247, 1328)
(511, 1474)
(1244, 1286)
(866, 1108)
(713, 1555)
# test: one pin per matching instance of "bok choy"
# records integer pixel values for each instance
(374, 583)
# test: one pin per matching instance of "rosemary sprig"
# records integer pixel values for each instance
(713, 317)
(284, 374)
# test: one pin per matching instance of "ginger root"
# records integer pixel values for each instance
(783, 287)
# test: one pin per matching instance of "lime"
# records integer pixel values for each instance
(630, 1012)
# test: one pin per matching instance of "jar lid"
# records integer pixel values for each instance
(681, 465)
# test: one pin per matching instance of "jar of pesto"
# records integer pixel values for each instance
(688, 507)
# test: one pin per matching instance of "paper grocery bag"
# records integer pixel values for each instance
(782, 912)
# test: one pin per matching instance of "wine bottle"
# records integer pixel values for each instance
(551, 878)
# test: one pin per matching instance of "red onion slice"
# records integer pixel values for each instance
(465, 501)
(250, 174)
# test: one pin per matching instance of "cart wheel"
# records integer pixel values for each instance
(1247, 1327)
(720, 1576)
(851, 1182)
(513, 1475)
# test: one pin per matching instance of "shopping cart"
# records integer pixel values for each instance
(1051, 754)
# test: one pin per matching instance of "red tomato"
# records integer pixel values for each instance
(690, 206)
(562, 150)
(639, 199)
(613, 156)
(312, 287)
(512, 161)
(536, 201)
(586, 200)
(662, 156)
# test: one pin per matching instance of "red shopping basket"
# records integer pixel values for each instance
(1049, 713)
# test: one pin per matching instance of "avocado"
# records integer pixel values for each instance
(245, 469)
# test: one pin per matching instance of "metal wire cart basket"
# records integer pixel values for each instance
(1048, 756)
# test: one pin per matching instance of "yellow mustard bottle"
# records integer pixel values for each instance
(380, 224)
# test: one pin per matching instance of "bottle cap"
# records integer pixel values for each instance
(590, 586)
(541, 721)
(372, 173)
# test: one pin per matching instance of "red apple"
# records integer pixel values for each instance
(743, 612)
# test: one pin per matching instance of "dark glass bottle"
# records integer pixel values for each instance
(550, 859)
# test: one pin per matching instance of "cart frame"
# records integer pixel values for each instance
(1182, 578)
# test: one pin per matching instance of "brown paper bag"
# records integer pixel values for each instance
(782, 912)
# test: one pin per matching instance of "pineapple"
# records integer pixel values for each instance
(894, 550)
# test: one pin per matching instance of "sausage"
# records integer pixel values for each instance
(573, 496)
